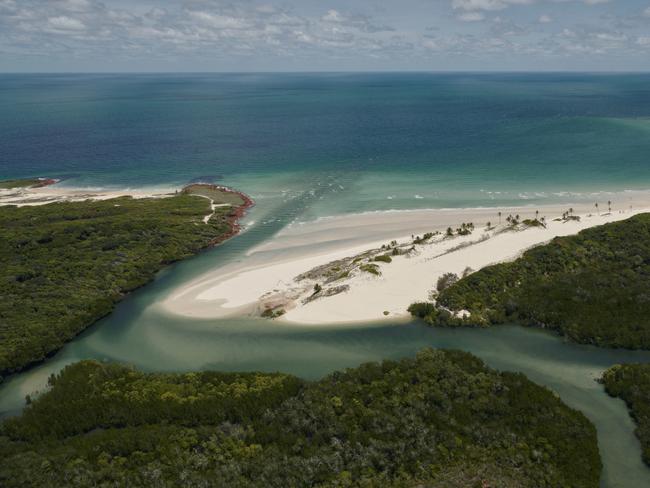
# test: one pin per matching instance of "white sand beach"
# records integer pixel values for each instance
(267, 277)
(58, 193)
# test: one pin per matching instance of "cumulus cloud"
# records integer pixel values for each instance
(494, 5)
(66, 23)
(471, 16)
(186, 25)
(76, 5)
(361, 22)
(506, 28)
(471, 5)
(268, 29)
(219, 21)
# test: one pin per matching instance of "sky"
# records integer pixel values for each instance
(323, 35)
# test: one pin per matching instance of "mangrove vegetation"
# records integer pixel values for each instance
(441, 419)
(631, 382)
(65, 265)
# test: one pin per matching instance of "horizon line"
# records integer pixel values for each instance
(464, 71)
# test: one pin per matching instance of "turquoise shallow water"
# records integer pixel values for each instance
(362, 141)
(307, 146)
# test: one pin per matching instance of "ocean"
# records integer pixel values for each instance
(336, 143)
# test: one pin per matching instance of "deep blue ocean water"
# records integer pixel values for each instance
(344, 142)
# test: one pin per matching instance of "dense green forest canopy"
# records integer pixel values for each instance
(65, 265)
(593, 287)
(631, 382)
(441, 419)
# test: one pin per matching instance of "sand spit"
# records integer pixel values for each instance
(326, 271)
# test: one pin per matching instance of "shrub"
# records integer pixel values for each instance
(421, 309)
(384, 258)
(273, 313)
(370, 268)
(446, 280)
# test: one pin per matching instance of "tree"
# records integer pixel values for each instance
(446, 280)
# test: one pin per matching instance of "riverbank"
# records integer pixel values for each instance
(282, 275)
